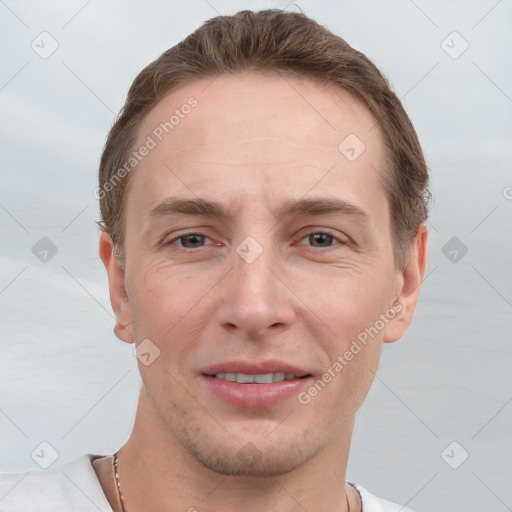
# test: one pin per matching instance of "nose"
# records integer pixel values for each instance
(254, 297)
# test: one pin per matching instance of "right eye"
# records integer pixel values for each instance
(189, 240)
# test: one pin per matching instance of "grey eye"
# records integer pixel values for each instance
(195, 239)
(322, 239)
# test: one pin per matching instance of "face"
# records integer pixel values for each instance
(279, 261)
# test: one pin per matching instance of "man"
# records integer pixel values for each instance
(263, 198)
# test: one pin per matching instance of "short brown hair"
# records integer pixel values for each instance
(272, 40)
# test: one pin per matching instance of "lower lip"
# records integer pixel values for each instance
(254, 396)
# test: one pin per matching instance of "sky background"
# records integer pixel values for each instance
(66, 380)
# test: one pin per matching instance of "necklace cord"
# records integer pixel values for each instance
(118, 483)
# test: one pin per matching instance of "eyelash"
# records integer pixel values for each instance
(196, 233)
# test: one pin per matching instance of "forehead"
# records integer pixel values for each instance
(263, 133)
(256, 103)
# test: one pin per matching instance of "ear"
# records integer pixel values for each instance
(411, 278)
(118, 297)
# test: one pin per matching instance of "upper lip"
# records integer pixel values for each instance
(254, 368)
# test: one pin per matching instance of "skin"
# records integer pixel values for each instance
(253, 142)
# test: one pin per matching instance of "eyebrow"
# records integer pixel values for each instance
(311, 206)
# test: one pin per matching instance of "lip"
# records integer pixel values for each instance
(254, 396)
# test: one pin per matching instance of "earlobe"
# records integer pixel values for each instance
(123, 328)
(411, 279)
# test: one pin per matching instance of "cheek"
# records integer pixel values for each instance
(350, 375)
(168, 308)
(160, 293)
(352, 309)
(351, 302)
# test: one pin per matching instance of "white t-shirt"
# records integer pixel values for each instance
(74, 487)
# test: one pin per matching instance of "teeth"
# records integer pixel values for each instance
(264, 378)
(241, 378)
(278, 377)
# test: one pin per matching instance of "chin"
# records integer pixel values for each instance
(251, 459)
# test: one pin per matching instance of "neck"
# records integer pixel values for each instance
(158, 473)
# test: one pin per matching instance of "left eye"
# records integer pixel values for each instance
(323, 239)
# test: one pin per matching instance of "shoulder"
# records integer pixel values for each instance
(72, 487)
(372, 503)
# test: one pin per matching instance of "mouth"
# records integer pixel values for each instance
(254, 385)
(261, 378)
